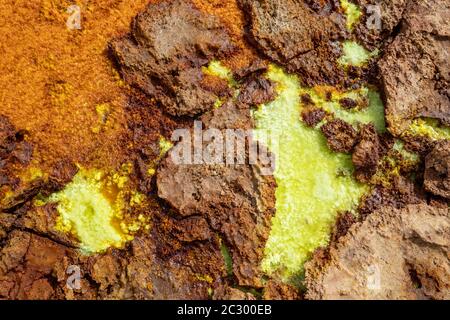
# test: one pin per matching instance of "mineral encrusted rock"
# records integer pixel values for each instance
(393, 254)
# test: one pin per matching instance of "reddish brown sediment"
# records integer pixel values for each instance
(233, 18)
(313, 116)
(275, 290)
(235, 199)
(380, 21)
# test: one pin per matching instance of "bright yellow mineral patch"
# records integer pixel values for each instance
(353, 13)
(215, 68)
(204, 277)
(91, 208)
(355, 54)
(102, 110)
(314, 184)
(164, 147)
(371, 110)
(430, 128)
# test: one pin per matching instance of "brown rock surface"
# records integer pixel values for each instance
(256, 90)
(27, 261)
(280, 291)
(235, 113)
(399, 194)
(169, 44)
(236, 201)
(34, 267)
(229, 293)
(379, 21)
(437, 170)
(393, 254)
(366, 154)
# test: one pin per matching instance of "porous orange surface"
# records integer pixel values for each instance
(53, 78)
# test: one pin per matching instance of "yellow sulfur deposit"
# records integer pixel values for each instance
(314, 184)
(91, 208)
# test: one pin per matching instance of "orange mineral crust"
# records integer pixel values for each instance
(233, 18)
(58, 83)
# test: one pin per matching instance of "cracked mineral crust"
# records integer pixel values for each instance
(437, 170)
(393, 254)
(235, 199)
(415, 70)
(169, 44)
(292, 34)
(208, 224)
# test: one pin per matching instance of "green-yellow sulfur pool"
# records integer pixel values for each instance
(314, 183)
